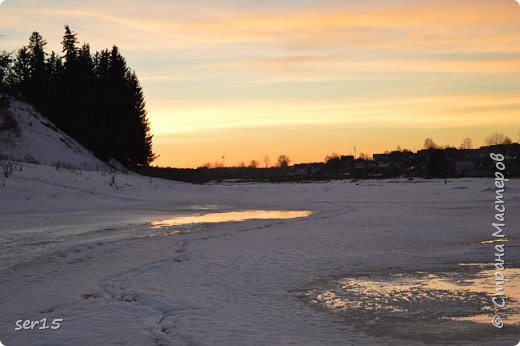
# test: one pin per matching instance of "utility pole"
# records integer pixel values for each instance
(223, 163)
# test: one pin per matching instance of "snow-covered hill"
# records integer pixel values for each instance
(49, 182)
(44, 171)
(27, 136)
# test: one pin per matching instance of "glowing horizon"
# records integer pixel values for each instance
(249, 79)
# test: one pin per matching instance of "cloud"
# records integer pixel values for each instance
(460, 25)
(225, 64)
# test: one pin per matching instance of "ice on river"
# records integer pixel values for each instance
(75, 247)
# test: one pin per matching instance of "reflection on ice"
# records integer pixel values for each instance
(495, 241)
(453, 295)
(232, 216)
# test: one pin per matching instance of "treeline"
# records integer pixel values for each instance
(204, 175)
(94, 97)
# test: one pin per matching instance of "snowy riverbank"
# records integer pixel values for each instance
(78, 248)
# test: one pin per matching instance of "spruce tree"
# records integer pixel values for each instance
(5, 65)
(37, 92)
(141, 151)
(20, 75)
(54, 70)
(101, 62)
(69, 45)
(37, 48)
(54, 65)
(96, 99)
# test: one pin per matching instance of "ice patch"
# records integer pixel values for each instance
(233, 216)
(421, 305)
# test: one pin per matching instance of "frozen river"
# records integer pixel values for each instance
(117, 272)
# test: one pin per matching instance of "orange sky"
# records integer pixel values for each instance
(303, 78)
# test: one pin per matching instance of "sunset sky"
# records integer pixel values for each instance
(301, 77)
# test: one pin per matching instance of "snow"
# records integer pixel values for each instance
(41, 142)
(76, 248)
(79, 245)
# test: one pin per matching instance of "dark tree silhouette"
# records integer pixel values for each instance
(69, 43)
(38, 89)
(20, 75)
(142, 140)
(283, 161)
(497, 139)
(430, 144)
(95, 98)
(467, 143)
(333, 161)
(5, 64)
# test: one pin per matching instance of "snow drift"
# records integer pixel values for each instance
(27, 136)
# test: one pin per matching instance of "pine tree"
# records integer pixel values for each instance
(86, 97)
(70, 89)
(117, 107)
(5, 65)
(37, 92)
(96, 99)
(54, 70)
(127, 128)
(37, 48)
(54, 65)
(103, 117)
(141, 154)
(20, 75)
(69, 46)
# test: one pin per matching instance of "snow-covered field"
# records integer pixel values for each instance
(78, 248)
(403, 262)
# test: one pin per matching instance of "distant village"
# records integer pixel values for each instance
(432, 162)
(426, 163)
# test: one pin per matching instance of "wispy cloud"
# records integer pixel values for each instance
(226, 64)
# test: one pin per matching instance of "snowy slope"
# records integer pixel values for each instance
(39, 141)
(76, 244)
